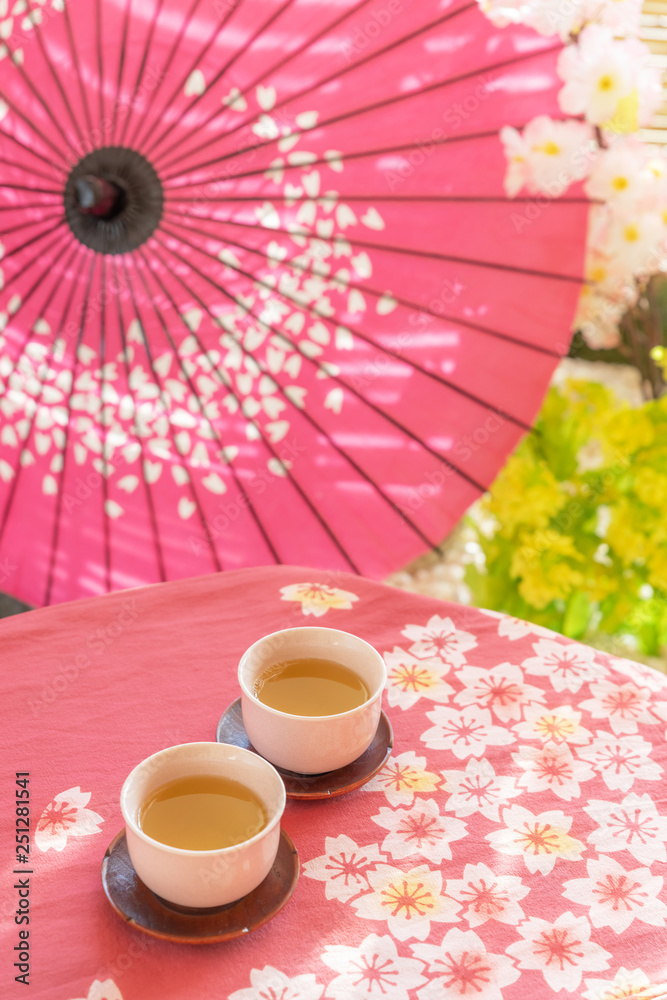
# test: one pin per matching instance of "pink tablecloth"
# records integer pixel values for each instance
(514, 847)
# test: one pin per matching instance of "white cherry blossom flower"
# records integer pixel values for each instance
(515, 628)
(106, 990)
(624, 705)
(461, 966)
(502, 689)
(548, 17)
(372, 971)
(269, 983)
(598, 72)
(440, 637)
(616, 897)
(408, 901)
(649, 677)
(556, 725)
(317, 598)
(567, 665)
(402, 777)
(634, 825)
(620, 760)
(479, 789)
(621, 15)
(466, 732)
(420, 830)
(343, 867)
(539, 840)
(635, 241)
(410, 678)
(616, 175)
(489, 896)
(552, 767)
(66, 816)
(548, 156)
(625, 985)
(562, 951)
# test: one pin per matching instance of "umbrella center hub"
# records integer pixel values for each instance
(113, 200)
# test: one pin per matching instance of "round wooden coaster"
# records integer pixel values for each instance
(316, 786)
(141, 908)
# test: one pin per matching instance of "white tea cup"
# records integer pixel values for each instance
(202, 879)
(315, 743)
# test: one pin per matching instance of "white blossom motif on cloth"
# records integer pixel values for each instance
(466, 732)
(317, 598)
(552, 767)
(343, 867)
(410, 678)
(372, 971)
(501, 689)
(479, 789)
(66, 816)
(488, 896)
(626, 985)
(615, 896)
(567, 665)
(562, 951)
(420, 830)
(540, 840)
(634, 825)
(272, 984)
(556, 725)
(515, 628)
(402, 778)
(440, 637)
(622, 705)
(106, 990)
(461, 966)
(407, 900)
(621, 760)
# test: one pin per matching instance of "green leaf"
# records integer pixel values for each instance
(577, 616)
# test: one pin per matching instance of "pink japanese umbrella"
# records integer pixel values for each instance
(264, 297)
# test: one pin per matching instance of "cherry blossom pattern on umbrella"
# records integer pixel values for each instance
(552, 767)
(106, 990)
(540, 840)
(66, 816)
(272, 983)
(634, 825)
(623, 705)
(479, 789)
(462, 967)
(318, 598)
(568, 665)
(410, 678)
(440, 637)
(402, 778)
(616, 897)
(465, 732)
(621, 760)
(626, 985)
(556, 725)
(420, 830)
(502, 689)
(489, 896)
(407, 900)
(372, 971)
(344, 867)
(562, 951)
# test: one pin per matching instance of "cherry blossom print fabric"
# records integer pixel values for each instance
(513, 847)
(301, 363)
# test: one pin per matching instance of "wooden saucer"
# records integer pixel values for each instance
(316, 786)
(141, 908)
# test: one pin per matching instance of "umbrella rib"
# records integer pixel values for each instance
(321, 83)
(408, 303)
(406, 251)
(103, 421)
(26, 79)
(33, 190)
(55, 536)
(355, 392)
(38, 132)
(27, 149)
(37, 28)
(24, 447)
(301, 412)
(149, 38)
(242, 491)
(220, 73)
(149, 495)
(22, 226)
(121, 67)
(100, 59)
(24, 206)
(31, 263)
(268, 445)
(195, 496)
(34, 239)
(77, 70)
(33, 172)
(211, 41)
(322, 200)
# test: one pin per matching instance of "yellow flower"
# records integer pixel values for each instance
(625, 536)
(657, 567)
(651, 487)
(544, 565)
(525, 493)
(629, 430)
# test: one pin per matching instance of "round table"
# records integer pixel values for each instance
(513, 847)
